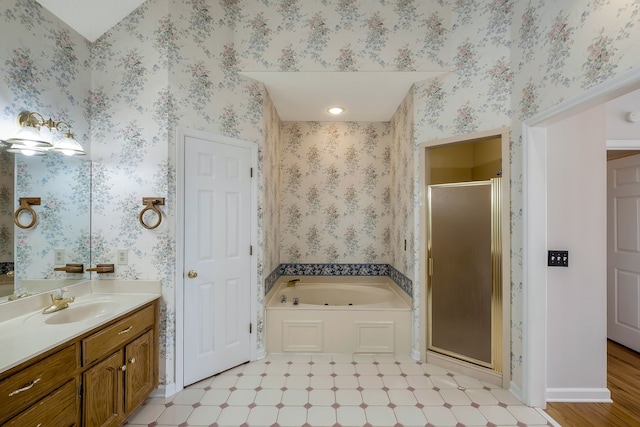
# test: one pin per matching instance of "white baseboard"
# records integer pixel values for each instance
(415, 354)
(261, 354)
(164, 390)
(579, 395)
(515, 390)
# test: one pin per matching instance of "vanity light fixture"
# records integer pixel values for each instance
(335, 110)
(35, 137)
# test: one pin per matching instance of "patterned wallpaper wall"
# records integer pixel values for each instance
(44, 67)
(63, 185)
(404, 256)
(269, 209)
(511, 60)
(175, 63)
(336, 192)
(557, 53)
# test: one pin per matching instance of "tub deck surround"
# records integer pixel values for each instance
(384, 270)
(338, 293)
(24, 333)
(363, 315)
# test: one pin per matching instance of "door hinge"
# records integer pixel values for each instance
(250, 328)
(80, 390)
(250, 249)
(251, 172)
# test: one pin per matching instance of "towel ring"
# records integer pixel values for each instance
(150, 205)
(25, 205)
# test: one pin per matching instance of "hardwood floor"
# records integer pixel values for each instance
(623, 378)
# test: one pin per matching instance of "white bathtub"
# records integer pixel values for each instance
(338, 314)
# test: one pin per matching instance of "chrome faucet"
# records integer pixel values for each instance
(283, 299)
(58, 301)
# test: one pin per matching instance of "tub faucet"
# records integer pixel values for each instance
(293, 282)
(295, 301)
(283, 299)
(58, 302)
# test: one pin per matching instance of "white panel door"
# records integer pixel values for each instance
(623, 263)
(217, 260)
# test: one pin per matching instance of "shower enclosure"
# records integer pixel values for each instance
(465, 269)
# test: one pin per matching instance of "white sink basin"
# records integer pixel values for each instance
(77, 312)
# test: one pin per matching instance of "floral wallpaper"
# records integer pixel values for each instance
(403, 245)
(475, 96)
(570, 49)
(511, 60)
(63, 219)
(269, 209)
(175, 63)
(44, 69)
(336, 195)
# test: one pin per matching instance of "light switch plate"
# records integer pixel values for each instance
(58, 256)
(123, 256)
(558, 258)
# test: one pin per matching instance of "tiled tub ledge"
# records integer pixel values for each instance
(340, 270)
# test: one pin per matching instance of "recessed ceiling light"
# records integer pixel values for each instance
(336, 110)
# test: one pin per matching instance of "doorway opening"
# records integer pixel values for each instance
(466, 276)
(544, 378)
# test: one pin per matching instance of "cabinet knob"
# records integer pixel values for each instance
(132, 360)
(192, 274)
(123, 368)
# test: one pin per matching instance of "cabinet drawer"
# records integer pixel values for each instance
(116, 335)
(59, 409)
(24, 388)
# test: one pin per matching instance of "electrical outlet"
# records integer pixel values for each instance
(58, 256)
(558, 259)
(123, 256)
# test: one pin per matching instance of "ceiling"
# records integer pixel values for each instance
(365, 96)
(91, 18)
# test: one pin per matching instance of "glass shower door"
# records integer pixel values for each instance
(463, 247)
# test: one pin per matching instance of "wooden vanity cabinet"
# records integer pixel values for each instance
(97, 379)
(116, 386)
(126, 371)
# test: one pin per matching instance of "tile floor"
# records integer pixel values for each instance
(338, 390)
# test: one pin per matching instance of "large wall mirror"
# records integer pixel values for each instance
(32, 259)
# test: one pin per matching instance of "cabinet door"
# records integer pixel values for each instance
(139, 376)
(103, 393)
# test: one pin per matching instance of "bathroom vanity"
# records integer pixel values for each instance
(91, 364)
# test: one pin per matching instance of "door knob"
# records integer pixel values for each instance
(192, 274)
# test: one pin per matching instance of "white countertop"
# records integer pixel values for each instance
(24, 332)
